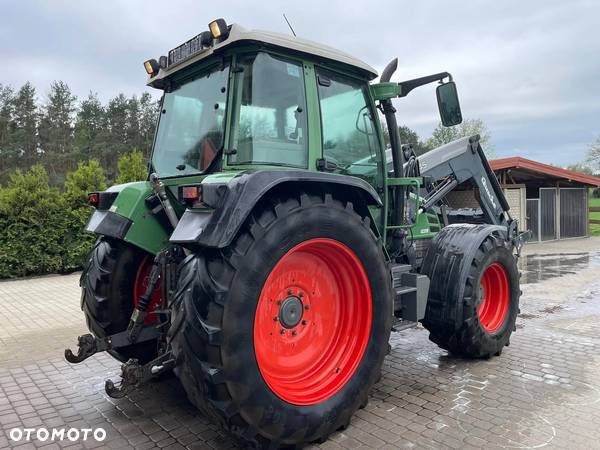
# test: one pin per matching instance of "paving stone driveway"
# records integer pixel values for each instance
(544, 391)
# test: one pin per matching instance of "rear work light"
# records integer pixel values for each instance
(191, 195)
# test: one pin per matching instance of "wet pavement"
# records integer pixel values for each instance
(542, 392)
(536, 268)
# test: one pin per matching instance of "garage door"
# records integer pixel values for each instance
(548, 214)
(533, 218)
(573, 212)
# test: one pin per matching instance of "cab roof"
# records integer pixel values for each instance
(238, 35)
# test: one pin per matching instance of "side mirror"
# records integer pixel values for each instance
(447, 98)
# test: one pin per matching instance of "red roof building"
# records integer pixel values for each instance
(550, 201)
(518, 168)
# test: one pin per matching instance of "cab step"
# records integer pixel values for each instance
(411, 290)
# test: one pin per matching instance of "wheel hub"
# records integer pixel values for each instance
(290, 313)
(494, 304)
(313, 321)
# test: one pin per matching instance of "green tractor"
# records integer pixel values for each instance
(278, 242)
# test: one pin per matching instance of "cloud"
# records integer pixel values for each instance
(529, 70)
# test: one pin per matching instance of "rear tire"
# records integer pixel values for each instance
(108, 285)
(226, 304)
(473, 302)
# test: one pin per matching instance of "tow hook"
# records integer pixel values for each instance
(88, 345)
(133, 374)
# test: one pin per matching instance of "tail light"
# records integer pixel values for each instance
(102, 200)
(94, 199)
(191, 195)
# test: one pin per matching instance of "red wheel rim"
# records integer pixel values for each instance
(495, 298)
(139, 287)
(313, 321)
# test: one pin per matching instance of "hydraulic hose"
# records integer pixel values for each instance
(159, 188)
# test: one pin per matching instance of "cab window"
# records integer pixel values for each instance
(349, 135)
(271, 119)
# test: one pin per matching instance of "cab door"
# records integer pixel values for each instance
(350, 137)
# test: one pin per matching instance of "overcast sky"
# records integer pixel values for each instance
(529, 69)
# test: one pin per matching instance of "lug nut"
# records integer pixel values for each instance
(289, 292)
(278, 302)
(301, 294)
(304, 322)
(306, 307)
(276, 318)
(282, 331)
(294, 333)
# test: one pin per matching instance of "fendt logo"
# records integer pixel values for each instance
(487, 191)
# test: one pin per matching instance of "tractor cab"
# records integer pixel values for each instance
(237, 100)
(242, 99)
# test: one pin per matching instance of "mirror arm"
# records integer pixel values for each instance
(409, 85)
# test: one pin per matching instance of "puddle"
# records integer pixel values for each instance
(537, 268)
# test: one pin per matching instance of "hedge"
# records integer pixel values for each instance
(42, 227)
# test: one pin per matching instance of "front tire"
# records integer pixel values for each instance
(473, 300)
(280, 336)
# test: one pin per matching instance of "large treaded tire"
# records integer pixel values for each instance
(451, 315)
(107, 286)
(214, 314)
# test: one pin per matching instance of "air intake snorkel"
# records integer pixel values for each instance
(397, 157)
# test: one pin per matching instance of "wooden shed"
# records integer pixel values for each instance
(550, 201)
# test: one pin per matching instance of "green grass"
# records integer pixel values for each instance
(594, 228)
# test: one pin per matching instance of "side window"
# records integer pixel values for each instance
(271, 128)
(348, 131)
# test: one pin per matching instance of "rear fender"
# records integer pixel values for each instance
(230, 203)
(130, 219)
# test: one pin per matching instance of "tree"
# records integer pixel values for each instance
(90, 127)
(442, 135)
(132, 167)
(133, 123)
(148, 115)
(581, 168)
(89, 177)
(24, 140)
(594, 154)
(7, 95)
(117, 121)
(33, 225)
(407, 136)
(56, 128)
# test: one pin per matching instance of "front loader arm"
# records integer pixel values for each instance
(463, 160)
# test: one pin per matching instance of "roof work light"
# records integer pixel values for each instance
(151, 67)
(218, 29)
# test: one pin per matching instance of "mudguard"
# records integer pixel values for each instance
(232, 202)
(130, 219)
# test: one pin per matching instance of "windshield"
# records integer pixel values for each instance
(191, 127)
